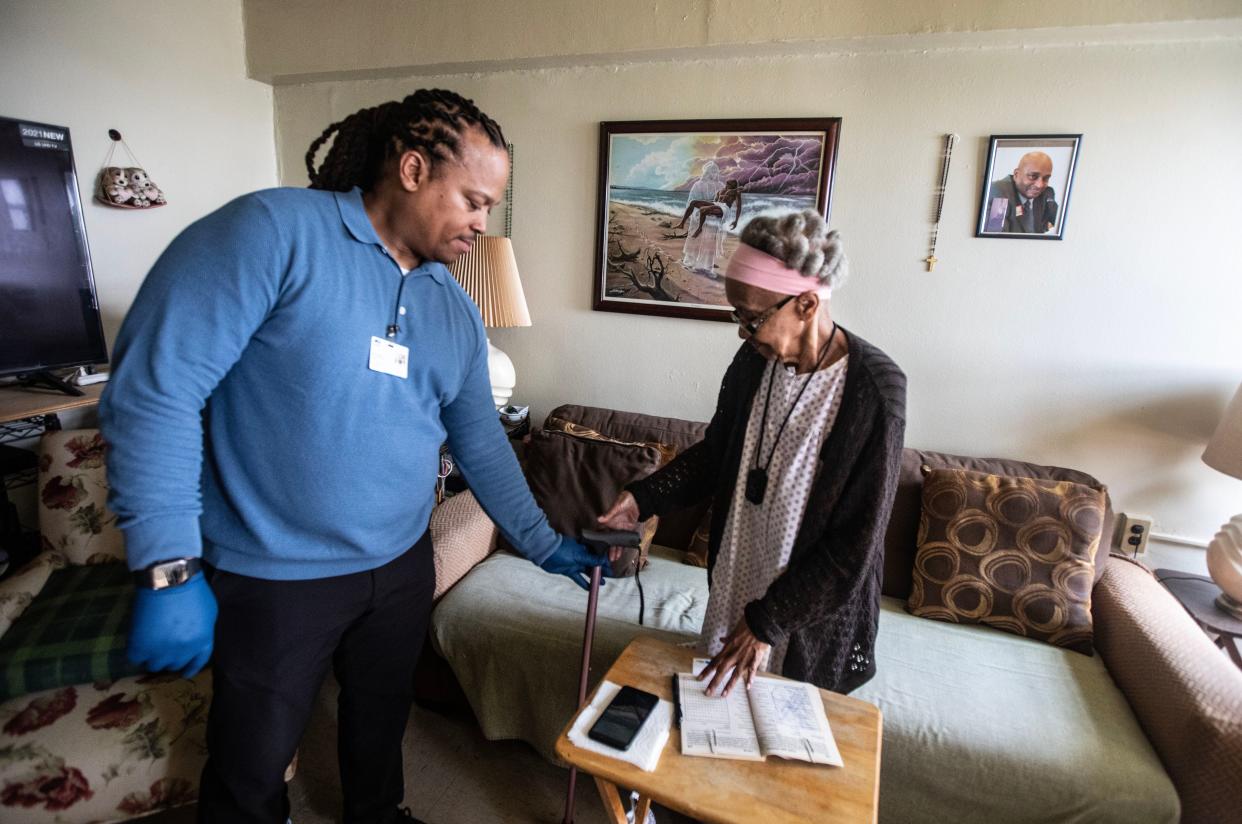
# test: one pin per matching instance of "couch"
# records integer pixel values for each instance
(113, 743)
(979, 725)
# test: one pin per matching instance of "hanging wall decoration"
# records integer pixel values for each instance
(949, 140)
(675, 196)
(126, 187)
(509, 197)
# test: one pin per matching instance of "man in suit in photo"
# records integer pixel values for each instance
(1030, 205)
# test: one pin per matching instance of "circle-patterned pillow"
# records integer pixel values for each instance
(1012, 553)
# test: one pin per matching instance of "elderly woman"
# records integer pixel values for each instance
(800, 462)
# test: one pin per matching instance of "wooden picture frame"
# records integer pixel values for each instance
(675, 194)
(1024, 203)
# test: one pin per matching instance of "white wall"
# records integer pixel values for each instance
(1113, 351)
(170, 75)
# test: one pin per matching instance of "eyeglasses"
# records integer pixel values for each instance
(752, 326)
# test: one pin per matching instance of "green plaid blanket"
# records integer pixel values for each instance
(72, 633)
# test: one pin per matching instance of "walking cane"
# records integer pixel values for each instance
(599, 542)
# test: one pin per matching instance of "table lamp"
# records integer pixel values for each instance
(1224, 553)
(488, 273)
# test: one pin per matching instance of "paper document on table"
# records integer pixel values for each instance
(774, 717)
(789, 716)
(713, 726)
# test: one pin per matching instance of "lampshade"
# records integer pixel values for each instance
(1224, 451)
(489, 274)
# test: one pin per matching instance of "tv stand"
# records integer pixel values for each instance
(50, 381)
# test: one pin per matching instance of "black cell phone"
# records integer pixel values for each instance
(623, 718)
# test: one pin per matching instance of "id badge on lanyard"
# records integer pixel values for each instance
(389, 357)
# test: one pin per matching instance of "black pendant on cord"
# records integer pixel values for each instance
(756, 485)
(757, 477)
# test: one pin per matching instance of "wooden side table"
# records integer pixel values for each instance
(719, 791)
(1197, 594)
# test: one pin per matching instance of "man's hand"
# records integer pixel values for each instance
(574, 561)
(743, 653)
(173, 628)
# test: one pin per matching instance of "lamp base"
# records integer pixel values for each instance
(1229, 605)
(502, 375)
(1224, 563)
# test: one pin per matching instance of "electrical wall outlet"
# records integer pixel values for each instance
(1134, 532)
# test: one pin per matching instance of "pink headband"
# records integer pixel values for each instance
(750, 266)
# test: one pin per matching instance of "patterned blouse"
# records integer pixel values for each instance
(758, 538)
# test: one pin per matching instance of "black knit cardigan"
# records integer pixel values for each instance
(827, 601)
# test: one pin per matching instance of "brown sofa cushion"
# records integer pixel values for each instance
(576, 473)
(901, 537)
(700, 543)
(1012, 553)
(676, 529)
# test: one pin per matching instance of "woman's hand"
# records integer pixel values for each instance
(743, 653)
(623, 516)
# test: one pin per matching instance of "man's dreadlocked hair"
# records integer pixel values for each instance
(430, 120)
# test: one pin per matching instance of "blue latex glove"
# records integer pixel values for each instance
(173, 628)
(574, 561)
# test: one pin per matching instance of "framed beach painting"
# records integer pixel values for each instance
(674, 195)
(1026, 186)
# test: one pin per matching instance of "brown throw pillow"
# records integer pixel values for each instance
(1012, 553)
(576, 474)
(671, 435)
(696, 553)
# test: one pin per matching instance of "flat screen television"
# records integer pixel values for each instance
(49, 314)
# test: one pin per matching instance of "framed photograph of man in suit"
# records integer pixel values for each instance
(1026, 189)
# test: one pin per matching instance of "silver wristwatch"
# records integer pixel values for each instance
(165, 574)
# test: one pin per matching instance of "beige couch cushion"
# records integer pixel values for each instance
(512, 634)
(984, 727)
(461, 536)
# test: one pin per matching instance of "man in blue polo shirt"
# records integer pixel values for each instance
(282, 386)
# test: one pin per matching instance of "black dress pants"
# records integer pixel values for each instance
(273, 645)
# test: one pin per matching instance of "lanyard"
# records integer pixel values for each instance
(395, 327)
(757, 478)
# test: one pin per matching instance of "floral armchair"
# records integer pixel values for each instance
(111, 748)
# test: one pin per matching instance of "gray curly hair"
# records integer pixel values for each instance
(802, 242)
